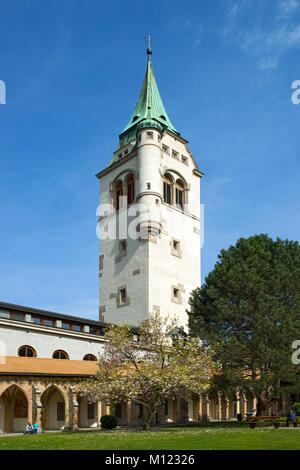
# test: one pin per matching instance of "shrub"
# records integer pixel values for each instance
(108, 421)
(296, 408)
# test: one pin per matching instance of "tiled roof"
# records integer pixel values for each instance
(15, 365)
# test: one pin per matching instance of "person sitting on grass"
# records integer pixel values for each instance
(35, 428)
(28, 429)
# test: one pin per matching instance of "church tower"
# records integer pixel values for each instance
(149, 217)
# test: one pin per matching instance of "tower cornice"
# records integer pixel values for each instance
(115, 165)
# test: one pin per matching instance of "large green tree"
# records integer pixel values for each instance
(248, 310)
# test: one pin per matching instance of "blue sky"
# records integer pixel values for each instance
(73, 71)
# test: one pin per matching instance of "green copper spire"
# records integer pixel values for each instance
(149, 107)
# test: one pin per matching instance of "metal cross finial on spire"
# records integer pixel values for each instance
(149, 50)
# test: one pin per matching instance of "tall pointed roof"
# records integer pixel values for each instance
(148, 107)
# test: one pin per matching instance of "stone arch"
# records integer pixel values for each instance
(121, 186)
(16, 412)
(56, 406)
(122, 175)
(175, 188)
(168, 175)
(175, 174)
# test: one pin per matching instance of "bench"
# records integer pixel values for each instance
(277, 423)
(254, 420)
(272, 420)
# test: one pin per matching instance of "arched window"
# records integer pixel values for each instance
(90, 357)
(59, 354)
(26, 351)
(130, 188)
(168, 182)
(119, 194)
(179, 194)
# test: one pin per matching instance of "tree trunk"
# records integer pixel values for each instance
(261, 404)
(148, 419)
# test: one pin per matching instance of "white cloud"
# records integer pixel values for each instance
(266, 31)
(232, 10)
(286, 7)
(199, 35)
(267, 63)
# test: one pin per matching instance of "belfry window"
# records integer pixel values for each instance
(119, 194)
(167, 189)
(179, 195)
(130, 188)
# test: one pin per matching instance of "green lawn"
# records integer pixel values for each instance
(211, 438)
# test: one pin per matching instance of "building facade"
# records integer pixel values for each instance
(149, 228)
(43, 355)
(149, 217)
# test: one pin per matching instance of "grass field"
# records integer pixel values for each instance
(212, 438)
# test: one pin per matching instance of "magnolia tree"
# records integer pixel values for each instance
(150, 367)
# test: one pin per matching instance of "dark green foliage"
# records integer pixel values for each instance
(296, 408)
(108, 421)
(248, 309)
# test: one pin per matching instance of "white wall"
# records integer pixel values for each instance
(159, 270)
(45, 344)
(167, 270)
(115, 275)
